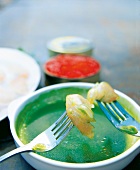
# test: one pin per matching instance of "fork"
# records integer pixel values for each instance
(120, 118)
(47, 140)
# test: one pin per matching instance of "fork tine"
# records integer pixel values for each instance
(125, 113)
(120, 118)
(62, 128)
(117, 110)
(57, 121)
(67, 130)
(60, 125)
(113, 118)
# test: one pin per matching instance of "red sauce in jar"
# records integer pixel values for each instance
(72, 66)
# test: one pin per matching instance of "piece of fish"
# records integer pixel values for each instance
(103, 92)
(79, 111)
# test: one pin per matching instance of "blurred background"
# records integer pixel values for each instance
(112, 25)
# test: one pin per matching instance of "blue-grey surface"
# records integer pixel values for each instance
(112, 25)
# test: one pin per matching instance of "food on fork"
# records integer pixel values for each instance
(79, 111)
(103, 92)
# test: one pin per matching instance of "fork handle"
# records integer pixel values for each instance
(15, 151)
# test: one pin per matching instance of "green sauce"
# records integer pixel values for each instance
(129, 129)
(75, 148)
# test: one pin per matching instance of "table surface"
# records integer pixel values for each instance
(112, 26)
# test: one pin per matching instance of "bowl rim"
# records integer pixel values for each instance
(12, 117)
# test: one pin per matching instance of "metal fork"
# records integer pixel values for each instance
(47, 140)
(120, 118)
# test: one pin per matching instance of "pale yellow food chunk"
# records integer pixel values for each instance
(79, 111)
(103, 92)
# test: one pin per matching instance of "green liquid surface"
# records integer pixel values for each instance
(44, 110)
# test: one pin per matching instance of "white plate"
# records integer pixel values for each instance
(19, 75)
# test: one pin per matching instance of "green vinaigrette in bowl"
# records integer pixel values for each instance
(45, 109)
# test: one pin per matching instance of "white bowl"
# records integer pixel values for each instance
(39, 162)
(15, 59)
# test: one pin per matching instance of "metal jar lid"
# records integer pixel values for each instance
(70, 45)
